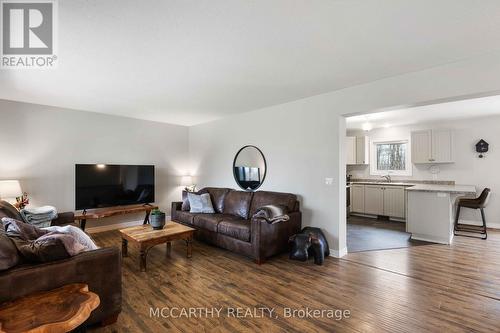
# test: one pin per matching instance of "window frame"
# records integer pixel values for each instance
(373, 156)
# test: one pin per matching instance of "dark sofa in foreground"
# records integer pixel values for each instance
(233, 226)
(99, 269)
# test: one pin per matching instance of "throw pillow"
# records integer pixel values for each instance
(9, 257)
(200, 203)
(185, 202)
(22, 230)
(6, 209)
(44, 249)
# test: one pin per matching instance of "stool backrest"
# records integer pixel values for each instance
(484, 198)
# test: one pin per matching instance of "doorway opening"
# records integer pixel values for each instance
(389, 154)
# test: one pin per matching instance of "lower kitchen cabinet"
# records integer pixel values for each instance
(394, 201)
(378, 200)
(357, 198)
(374, 200)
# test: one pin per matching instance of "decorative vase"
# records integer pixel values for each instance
(157, 220)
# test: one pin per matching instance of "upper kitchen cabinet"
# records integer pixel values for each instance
(432, 146)
(350, 148)
(357, 150)
(362, 150)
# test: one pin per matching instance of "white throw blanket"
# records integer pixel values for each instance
(80, 236)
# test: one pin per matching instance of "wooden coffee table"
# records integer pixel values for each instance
(146, 238)
(59, 310)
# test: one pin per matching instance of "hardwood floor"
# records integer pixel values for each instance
(433, 288)
(368, 234)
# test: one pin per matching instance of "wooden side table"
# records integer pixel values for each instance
(59, 310)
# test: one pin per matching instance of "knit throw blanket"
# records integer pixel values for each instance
(39, 216)
(272, 213)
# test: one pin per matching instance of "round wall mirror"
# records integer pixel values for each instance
(249, 168)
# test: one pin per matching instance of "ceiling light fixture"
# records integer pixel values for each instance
(367, 127)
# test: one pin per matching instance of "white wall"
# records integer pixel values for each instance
(40, 146)
(303, 140)
(298, 159)
(468, 169)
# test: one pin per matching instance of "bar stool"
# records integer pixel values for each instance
(477, 203)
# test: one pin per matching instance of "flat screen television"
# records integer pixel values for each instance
(107, 185)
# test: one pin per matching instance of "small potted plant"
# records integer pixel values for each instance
(22, 201)
(157, 219)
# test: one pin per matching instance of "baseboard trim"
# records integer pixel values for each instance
(338, 254)
(115, 226)
(431, 239)
(488, 225)
(394, 219)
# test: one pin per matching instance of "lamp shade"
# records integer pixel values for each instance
(10, 189)
(186, 181)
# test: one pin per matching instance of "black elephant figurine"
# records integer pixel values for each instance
(310, 242)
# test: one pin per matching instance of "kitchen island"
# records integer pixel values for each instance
(431, 210)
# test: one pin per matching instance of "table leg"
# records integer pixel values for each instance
(146, 218)
(169, 248)
(142, 263)
(124, 247)
(189, 243)
(82, 224)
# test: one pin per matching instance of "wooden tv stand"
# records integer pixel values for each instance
(93, 214)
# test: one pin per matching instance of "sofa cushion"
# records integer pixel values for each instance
(238, 203)
(264, 198)
(235, 228)
(9, 257)
(7, 210)
(208, 221)
(184, 217)
(217, 194)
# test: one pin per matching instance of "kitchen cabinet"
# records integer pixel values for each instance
(362, 150)
(394, 201)
(358, 198)
(374, 200)
(350, 148)
(384, 200)
(432, 146)
(357, 150)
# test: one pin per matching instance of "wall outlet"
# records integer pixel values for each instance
(329, 181)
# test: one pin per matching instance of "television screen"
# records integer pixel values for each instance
(105, 185)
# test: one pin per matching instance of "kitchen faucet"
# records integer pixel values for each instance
(388, 178)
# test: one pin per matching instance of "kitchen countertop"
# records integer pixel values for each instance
(461, 189)
(383, 183)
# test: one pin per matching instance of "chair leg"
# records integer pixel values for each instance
(484, 223)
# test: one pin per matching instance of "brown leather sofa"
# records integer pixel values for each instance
(233, 226)
(99, 269)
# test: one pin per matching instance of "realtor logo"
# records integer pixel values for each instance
(28, 34)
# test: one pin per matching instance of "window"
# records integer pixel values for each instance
(390, 157)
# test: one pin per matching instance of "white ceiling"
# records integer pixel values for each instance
(188, 62)
(471, 108)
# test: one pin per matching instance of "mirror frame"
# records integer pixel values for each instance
(265, 165)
